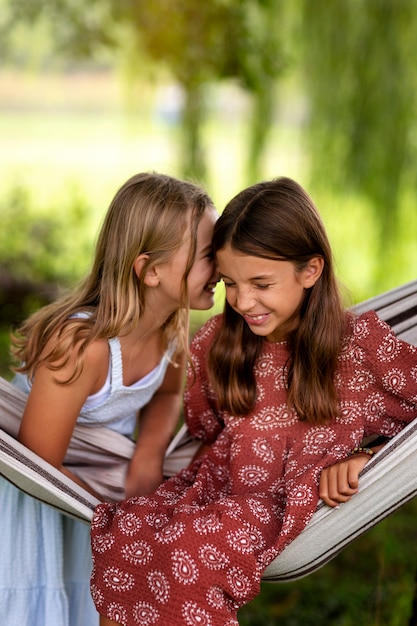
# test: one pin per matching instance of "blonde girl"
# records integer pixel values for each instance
(109, 351)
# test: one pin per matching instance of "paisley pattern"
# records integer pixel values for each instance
(193, 552)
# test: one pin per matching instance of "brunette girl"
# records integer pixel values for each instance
(285, 383)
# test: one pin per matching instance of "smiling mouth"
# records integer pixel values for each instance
(255, 319)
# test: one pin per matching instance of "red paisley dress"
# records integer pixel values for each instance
(193, 552)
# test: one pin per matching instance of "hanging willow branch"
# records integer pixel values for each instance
(361, 81)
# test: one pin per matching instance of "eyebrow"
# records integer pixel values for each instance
(260, 277)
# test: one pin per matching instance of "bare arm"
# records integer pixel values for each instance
(52, 409)
(339, 482)
(157, 425)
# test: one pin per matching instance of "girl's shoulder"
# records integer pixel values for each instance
(95, 364)
(368, 324)
(368, 332)
(96, 352)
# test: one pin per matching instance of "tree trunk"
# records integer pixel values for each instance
(260, 125)
(193, 158)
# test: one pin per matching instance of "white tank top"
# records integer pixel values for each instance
(116, 406)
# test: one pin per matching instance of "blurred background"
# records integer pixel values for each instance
(225, 93)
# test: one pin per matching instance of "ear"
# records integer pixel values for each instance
(312, 272)
(151, 278)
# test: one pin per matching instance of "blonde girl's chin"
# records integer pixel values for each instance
(203, 303)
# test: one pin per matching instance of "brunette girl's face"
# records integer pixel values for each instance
(267, 293)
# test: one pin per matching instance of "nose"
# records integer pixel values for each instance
(244, 300)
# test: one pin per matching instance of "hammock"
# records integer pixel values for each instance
(329, 531)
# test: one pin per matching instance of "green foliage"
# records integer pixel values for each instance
(5, 360)
(76, 29)
(198, 43)
(40, 250)
(204, 42)
(361, 84)
(48, 245)
(365, 265)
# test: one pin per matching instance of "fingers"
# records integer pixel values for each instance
(338, 483)
(353, 475)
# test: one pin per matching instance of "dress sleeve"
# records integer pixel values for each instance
(201, 413)
(390, 373)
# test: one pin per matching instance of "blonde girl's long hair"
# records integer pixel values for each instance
(149, 214)
(278, 220)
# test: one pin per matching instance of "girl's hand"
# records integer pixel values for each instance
(144, 475)
(339, 482)
(157, 423)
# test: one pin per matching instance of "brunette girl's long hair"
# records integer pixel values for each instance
(149, 214)
(278, 220)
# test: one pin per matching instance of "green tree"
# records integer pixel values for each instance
(40, 250)
(260, 57)
(198, 43)
(204, 43)
(360, 80)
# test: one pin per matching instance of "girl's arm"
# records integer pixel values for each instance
(201, 413)
(339, 482)
(157, 424)
(392, 364)
(52, 408)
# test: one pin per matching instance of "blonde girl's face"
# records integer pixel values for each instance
(202, 278)
(267, 293)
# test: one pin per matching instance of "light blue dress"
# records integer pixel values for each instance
(45, 557)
